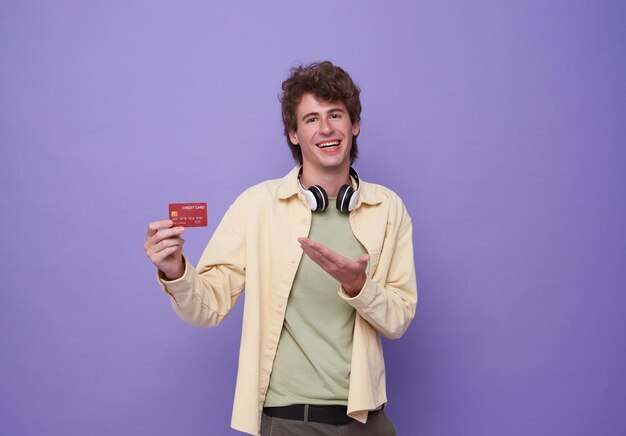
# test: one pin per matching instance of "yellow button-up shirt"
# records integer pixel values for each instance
(256, 247)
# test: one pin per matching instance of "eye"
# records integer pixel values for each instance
(335, 116)
(310, 120)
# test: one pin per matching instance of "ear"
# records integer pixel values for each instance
(356, 128)
(293, 137)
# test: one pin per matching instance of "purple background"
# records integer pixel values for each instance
(501, 124)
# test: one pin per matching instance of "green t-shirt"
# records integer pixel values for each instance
(312, 363)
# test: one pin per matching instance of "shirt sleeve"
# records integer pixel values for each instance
(390, 306)
(203, 296)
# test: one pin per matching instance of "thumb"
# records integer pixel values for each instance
(364, 259)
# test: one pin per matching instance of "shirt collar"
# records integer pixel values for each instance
(288, 185)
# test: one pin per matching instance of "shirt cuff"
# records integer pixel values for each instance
(181, 284)
(365, 296)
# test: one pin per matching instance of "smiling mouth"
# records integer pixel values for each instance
(328, 144)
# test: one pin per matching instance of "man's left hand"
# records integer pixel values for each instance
(349, 273)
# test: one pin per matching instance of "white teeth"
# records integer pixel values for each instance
(328, 144)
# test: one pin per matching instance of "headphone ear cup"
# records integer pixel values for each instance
(310, 199)
(343, 198)
(321, 199)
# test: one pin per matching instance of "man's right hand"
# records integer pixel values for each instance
(164, 248)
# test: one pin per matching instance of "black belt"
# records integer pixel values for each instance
(336, 415)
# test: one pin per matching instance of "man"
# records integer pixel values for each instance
(311, 359)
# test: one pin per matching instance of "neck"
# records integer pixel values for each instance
(330, 180)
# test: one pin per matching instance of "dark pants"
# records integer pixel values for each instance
(377, 425)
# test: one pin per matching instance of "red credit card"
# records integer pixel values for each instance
(189, 214)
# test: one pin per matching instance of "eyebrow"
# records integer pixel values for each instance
(331, 111)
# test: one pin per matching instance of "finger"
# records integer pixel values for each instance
(322, 249)
(320, 260)
(162, 255)
(344, 271)
(333, 263)
(156, 243)
(363, 259)
(163, 234)
(154, 226)
(156, 250)
(314, 251)
(311, 252)
(311, 243)
(166, 243)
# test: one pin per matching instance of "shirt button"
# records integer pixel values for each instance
(305, 220)
(293, 260)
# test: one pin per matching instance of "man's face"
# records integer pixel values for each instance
(324, 133)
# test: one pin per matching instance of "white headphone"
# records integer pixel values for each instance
(317, 199)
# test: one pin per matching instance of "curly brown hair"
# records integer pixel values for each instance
(327, 82)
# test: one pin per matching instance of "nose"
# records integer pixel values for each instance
(326, 126)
